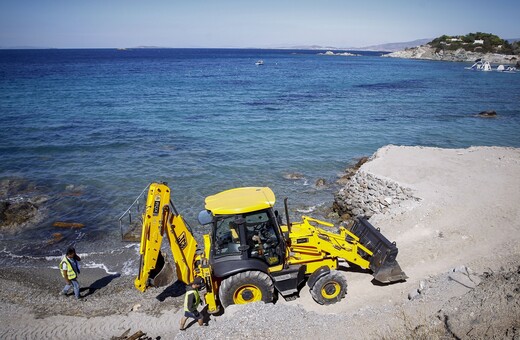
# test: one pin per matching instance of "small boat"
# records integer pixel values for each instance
(259, 62)
(509, 69)
(480, 65)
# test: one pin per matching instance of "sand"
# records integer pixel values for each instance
(459, 245)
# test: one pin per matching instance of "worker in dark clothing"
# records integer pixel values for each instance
(191, 302)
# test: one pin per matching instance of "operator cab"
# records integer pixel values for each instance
(244, 227)
(250, 235)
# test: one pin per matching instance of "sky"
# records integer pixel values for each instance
(245, 23)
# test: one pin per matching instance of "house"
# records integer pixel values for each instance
(478, 42)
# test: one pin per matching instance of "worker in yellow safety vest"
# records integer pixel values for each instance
(191, 302)
(69, 268)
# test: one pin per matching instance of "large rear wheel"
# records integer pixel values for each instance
(330, 288)
(246, 287)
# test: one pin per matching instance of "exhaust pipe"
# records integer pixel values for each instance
(287, 214)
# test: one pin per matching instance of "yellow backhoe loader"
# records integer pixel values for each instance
(249, 253)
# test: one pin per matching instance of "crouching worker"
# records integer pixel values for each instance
(69, 268)
(192, 302)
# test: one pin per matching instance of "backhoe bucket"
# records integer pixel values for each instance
(383, 264)
(163, 274)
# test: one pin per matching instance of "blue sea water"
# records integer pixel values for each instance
(91, 128)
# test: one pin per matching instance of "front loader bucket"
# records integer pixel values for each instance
(163, 274)
(389, 272)
(382, 263)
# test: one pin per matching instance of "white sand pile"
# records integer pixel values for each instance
(459, 244)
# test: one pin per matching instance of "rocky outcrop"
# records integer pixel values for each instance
(20, 205)
(365, 195)
(487, 114)
(345, 54)
(429, 53)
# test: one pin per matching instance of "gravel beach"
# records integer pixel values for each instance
(458, 236)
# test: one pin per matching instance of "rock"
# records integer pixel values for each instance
(56, 237)
(460, 269)
(360, 162)
(16, 213)
(357, 211)
(293, 176)
(463, 279)
(320, 182)
(71, 225)
(15, 186)
(486, 114)
(20, 204)
(414, 294)
(346, 217)
(351, 171)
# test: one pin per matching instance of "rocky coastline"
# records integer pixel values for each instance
(426, 52)
(365, 195)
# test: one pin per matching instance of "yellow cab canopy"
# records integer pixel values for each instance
(240, 200)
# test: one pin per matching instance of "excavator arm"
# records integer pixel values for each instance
(159, 219)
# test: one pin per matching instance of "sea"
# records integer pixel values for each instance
(89, 129)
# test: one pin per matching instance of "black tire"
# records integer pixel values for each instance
(329, 288)
(246, 287)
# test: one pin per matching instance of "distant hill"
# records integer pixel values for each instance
(389, 47)
(308, 47)
(24, 48)
(398, 46)
(465, 48)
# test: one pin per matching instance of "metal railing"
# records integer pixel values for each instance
(128, 211)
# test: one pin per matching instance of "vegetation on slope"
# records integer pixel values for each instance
(475, 42)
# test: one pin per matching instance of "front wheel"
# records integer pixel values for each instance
(246, 287)
(330, 288)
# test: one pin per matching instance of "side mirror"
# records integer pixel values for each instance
(205, 217)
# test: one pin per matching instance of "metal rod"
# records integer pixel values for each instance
(131, 205)
(287, 214)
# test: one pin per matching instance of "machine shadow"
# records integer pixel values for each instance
(99, 284)
(176, 289)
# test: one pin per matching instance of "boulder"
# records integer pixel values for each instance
(320, 182)
(414, 294)
(20, 204)
(72, 225)
(486, 114)
(16, 213)
(293, 176)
